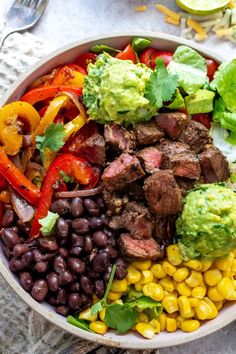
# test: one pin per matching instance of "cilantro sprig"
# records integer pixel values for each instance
(162, 85)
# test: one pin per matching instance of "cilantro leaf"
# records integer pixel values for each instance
(144, 303)
(161, 86)
(78, 323)
(100, 48)
(48, 223)
(53, 138)
(120, 317)
(139, 44)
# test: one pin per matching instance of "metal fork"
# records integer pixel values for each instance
(22, 15)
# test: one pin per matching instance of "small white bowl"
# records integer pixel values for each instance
(131, 340)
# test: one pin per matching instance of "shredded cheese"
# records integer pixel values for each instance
(172, 20)
(224, 32)
(201, 33)
(140, 8)
(169, 13)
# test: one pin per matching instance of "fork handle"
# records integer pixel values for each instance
(4, 34)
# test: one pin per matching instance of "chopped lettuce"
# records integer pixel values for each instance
(48, 223)
(223, 116)
(220, 136)
(190, 67)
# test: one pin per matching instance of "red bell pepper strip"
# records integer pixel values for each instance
(1, 212)
(17, 180)
(44, 92)
(127, 54)
(3, 183)
(73, 167)
(85, 59)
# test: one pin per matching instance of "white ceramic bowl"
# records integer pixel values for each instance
(131, 340)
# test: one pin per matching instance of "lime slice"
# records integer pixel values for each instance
(202, 7)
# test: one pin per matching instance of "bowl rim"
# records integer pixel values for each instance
(53, 317)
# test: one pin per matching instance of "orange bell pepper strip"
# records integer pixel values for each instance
(70, 74)
(10, 116)
(17, 180)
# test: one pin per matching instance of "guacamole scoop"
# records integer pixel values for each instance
(114, 91)
(207, 227)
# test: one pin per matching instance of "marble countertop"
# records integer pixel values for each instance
(64, 22)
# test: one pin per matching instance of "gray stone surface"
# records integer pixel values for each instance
(65, 21)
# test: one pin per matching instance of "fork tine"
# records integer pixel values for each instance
(41, 6)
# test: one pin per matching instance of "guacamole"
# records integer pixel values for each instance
(114, 91)
(207, 227)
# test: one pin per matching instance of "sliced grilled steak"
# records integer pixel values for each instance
(125, 169)
(196, 135)
(140, 249)
(148, 133)
(165, 229)
(173, 123)
(162, 193)
(180, 159)
(150, 158)
(185, 184)
(136, 219)
(135, 191)
(119, 138)
(214, 165)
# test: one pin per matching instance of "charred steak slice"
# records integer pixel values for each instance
(136, 219)
(180, 159)
(162, 193)
(196, 135)
(135, 191)
(165, 229)
(125, 169)
(150, 158)
(119, 138)
(148, 133)
(214, 165)
(185, 184)
(173, 123)
(140, 249)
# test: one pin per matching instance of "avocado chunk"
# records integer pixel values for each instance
(200, 102)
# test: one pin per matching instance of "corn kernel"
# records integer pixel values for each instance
(233, 267)
(143, 317)
(156, 325)
(203, 311)
(181, 274)
(206, 265)
(184, 289)
(138, 286)
(195, 279)
(170, 303)
(214, 294)
(102, 314)
(212, 276)
(86, 315)
(232, 297)
(142, 265)
(168, 268)
(226, 263)
(194, 264)
(174, 255)
(184, 307)
(119, 302)
(219, 304)
(145, 329)
(194, 302)
(214, 311)
(167, 284)
(162, 320)
(190, 325)
(133, 275)
(171, 324)
(174, 314)
(147, 277)
(179, 320)
(98, 327)
(225, 287)
(153, 290)
(114, 296)
(199, 292)
(158, 271)
(119, 286)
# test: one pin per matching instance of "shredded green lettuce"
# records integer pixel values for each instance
(48, 223)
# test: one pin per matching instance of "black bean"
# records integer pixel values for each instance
(41, 267)
(86, 285)
(38, 255)
(77, 208)
(6, 251)
(24, 227)
(121, 269)
(52, 300)
(62, 228)
(74, 301)
(111, 251)
(100, 203)
(59, 264)
(63, 252)
(63, 310)
(32, 243)
(15, 229)
(62, 241)
(80, 225)
(65, 277)
(100, 262)
(20, 249)
(104, 219)
(95, 223)
(53, 281)
(93, 274)
(77, 240)
(75, 287)
(39, 290)
(26, 281)
(90, 205)
(75, 251)
(85, 301)
(8, 218)
(109, 232)
(62, 296)
(48, 244)
(88, 244)
(10, 238)
(100, 239)
(60, 206)
(28, 258)
(99, 288)
(107, 274)
(76, 265)
(16, 264)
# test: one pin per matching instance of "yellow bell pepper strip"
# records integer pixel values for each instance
(10, 116)
(74, 125)
(17, 180)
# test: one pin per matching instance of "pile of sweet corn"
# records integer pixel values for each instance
(189, 292)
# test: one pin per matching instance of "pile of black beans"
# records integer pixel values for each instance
(68, 268)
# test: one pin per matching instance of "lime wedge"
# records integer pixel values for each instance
(202, 7)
